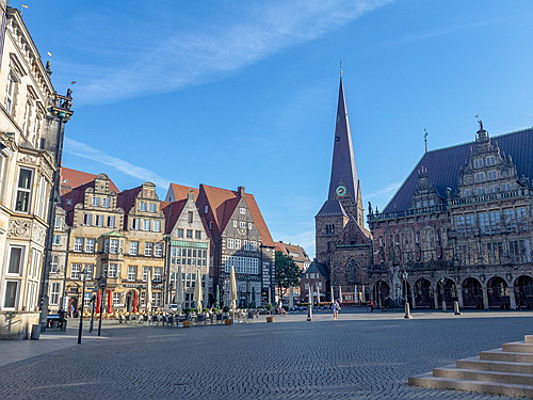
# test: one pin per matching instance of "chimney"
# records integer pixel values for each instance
(190, 195)
(240, 189)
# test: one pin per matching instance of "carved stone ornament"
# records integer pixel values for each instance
(19, 228)
(28, 159)
(39, 234)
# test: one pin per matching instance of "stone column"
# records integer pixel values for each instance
(460, 295)
(412, 289)
(512, 297)
(485, 297)
(436, 298)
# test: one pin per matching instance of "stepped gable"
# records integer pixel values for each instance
(444, 166)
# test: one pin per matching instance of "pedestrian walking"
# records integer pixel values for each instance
(335, 308)
(371, 304)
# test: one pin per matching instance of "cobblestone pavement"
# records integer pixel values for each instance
(347, 359)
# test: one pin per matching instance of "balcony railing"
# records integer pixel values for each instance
(491, 197)
(406, 213)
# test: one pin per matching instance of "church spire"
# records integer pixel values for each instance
(344, 180)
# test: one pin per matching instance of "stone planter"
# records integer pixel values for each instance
(270, 318)
(187, 324)
(228, 321)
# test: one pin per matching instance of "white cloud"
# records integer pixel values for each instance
(88, 152)
(165, 58)
(385, 191)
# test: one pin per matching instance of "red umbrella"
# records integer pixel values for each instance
(109, 301)
(134, 303)
(98, 301)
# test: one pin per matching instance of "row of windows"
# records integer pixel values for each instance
(99, 220)
(480, 191)
(243, 265)
(114, 246)
(101, 201)
(242, 225)
(491, 222)
(516, 251)
(488, 161)
(188, 256)
(144, 206)
(188, 233)
(113, 270)
(249, 245)
(146, 224)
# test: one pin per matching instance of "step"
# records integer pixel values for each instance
(490, 365)
(499, 355)
(518, 347)
(483, 376)
(528, 338)
(504, 389)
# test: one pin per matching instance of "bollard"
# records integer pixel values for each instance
(407, 314)
(456, 310)
(310, 313)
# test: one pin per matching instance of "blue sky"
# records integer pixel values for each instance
(231, 93)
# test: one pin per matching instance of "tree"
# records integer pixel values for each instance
(287, 273)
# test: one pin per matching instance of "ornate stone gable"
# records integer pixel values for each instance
(486, 169)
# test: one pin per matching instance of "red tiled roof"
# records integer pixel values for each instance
(223, 202)
(71, 179)
(172, 212)
(289, 248)
(126, 198)
(180, 192)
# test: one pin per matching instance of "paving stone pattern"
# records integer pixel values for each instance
(292, 360)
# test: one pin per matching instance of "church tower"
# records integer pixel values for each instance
(344, 202)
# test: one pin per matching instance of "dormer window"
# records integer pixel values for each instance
(479, 177)
(492, 175)
(478, 163)
(242, 210)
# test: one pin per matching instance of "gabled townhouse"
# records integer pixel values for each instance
(239, 238)
(144, 250)
(190, 249)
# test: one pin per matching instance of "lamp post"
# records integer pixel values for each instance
(83, 277)
(442, 293)
(407, 308)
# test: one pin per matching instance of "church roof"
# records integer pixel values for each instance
(444, 166)
(343, 168)
(332, 207)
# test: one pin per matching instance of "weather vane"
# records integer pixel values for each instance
(340, 67)
(426, 140)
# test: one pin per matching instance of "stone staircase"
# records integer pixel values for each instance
(507, 371)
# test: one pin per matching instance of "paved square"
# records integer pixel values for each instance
(363, 357)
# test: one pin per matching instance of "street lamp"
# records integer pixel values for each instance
(442, 293)
(83, 277)
(407, 308)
